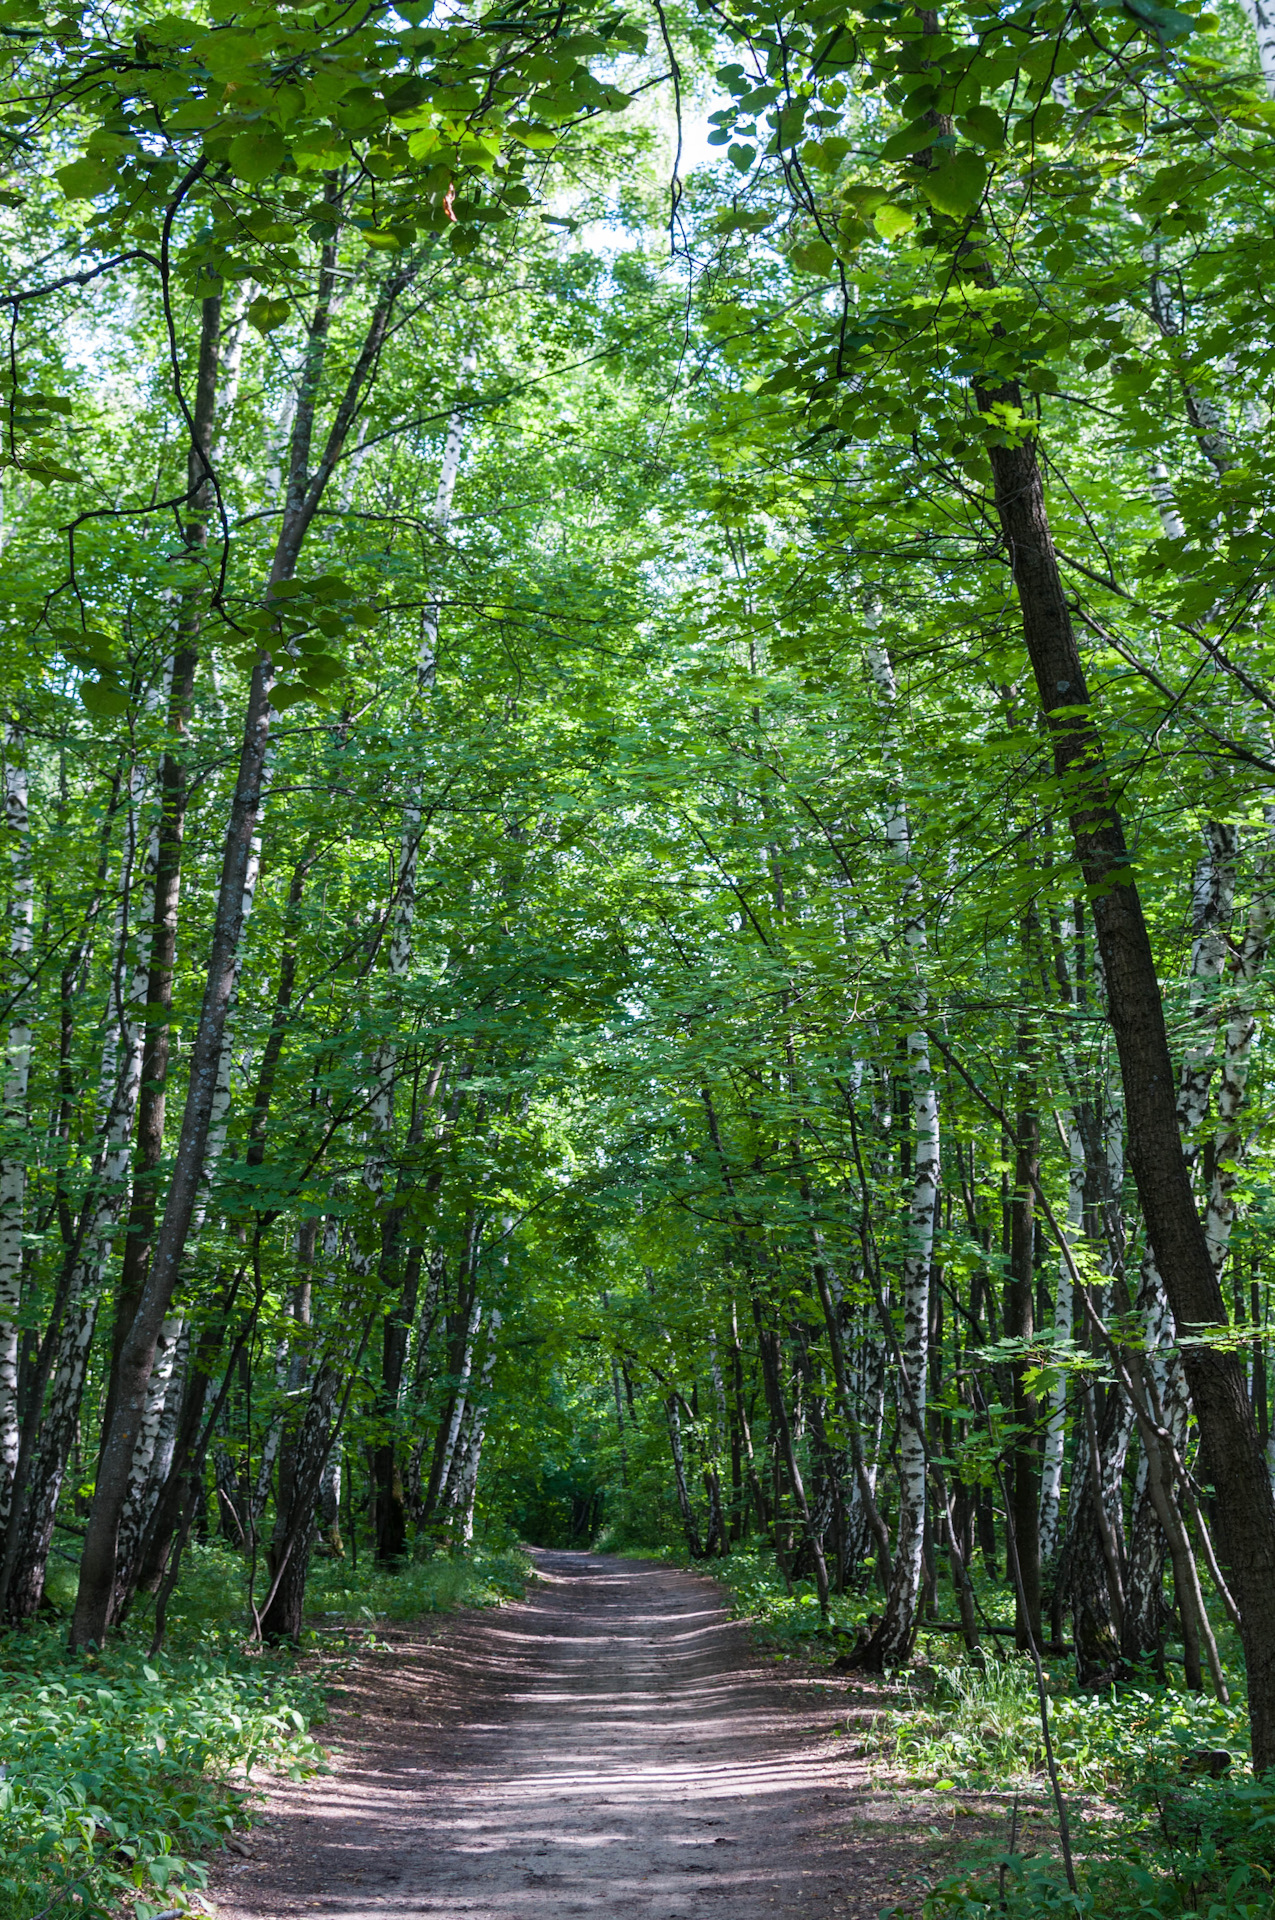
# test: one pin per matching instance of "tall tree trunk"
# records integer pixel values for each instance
(31, 1523)
(1051, 1477)
(1262, 18)
(97, 1567)
(13, 1113)
(769, 1351)
(1019, 1320)
(1216, 1377)
(690, 1525)
(296, 1523)
(891, 1643)
(468, 1489)
(1247, 963)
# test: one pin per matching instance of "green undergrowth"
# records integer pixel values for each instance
(122, 1772)
(484, 1577)
(1151, 1842)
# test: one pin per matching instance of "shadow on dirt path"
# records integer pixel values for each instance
(614, 1744)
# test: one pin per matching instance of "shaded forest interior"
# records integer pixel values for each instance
(639, 841)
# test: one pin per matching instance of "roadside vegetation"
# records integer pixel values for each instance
(1154, 1835)
(123, 1769)
(637, 868)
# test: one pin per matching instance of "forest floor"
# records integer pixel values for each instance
(614, 1743)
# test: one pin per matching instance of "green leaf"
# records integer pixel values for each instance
(891, 221)
(815, 256)
(913, 139)
(321, 669)
(265, 314)
(104, 697)
(984, 127)
(1165, 22)
(85, 179)
(741, 157)
(257, 154)
(955, 186)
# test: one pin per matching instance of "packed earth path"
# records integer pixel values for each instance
(613, 1744)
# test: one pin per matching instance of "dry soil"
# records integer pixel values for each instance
(613, 1744)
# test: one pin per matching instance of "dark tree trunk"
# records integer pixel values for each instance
(296, 1524)
(1216, 1377)
(1024, 1482)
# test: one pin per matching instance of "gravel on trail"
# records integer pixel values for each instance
(613, 1744)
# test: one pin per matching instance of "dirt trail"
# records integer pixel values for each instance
(613, 1744)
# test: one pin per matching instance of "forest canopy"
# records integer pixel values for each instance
(639, 789)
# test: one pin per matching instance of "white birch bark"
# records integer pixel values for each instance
(894, 1637)
(459, 1405)
(230, 369)
(17, 1073)
(119, 1083)
(1051, 1470)
(148, 1468)
(1212, 903)
(354, 466)
(330, 1496)
(137, 1506)
(280, 435)
(1162, 493)
(223, 1091)
(1261, 15)
(1247, 962)
(403, 906)
(426, 662)
(477, 1430)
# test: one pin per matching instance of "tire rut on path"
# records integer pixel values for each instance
(614, 1744)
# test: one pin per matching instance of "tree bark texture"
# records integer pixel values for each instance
(1216, 1378)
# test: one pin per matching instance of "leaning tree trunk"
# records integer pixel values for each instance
(1219, 1388)
(304, 493)
(288, 1559)
(26, 1555)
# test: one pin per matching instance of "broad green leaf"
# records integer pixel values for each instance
(891, 221)
(86, 178)
(265, 314)
(912, 139)
(104, 697)
(984, 127)
(955, 186)
(258, 154)
(813, 256)
(1166, 23)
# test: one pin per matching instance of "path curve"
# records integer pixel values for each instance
(614, 1744)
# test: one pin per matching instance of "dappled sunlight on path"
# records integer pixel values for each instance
(612, 1745)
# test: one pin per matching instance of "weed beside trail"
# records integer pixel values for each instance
(120, 1772)
(1151, 1841)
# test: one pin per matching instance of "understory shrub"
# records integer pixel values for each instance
(119, 1772)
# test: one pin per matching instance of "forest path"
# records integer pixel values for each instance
(613, 1744)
